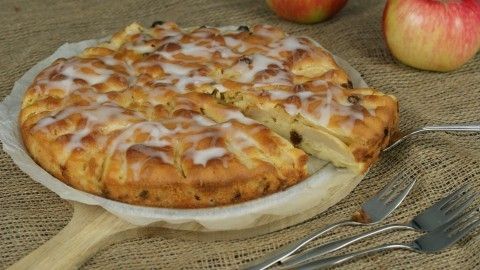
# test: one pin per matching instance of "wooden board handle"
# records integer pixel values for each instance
(90, 229)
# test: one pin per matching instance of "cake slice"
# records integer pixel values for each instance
(348, 127)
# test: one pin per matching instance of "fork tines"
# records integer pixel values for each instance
(461, 204)
(464, 224)
(393, 188)
(397, 190)
(449, 233)
(453, 197)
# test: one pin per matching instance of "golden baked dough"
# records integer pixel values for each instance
(178, 118)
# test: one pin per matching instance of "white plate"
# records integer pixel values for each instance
(322, 189)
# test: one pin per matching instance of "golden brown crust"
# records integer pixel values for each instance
(146, 118)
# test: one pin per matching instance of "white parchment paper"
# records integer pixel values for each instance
(326, 186)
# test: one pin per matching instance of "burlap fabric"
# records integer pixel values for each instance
(30, 214)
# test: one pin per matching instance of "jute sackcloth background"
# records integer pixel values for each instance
(30, 214)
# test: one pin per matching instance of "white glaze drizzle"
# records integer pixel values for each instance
(201, 157)
(101, 75)
(141, 48)
(180, 83)
(279, 94)
(282, 77)
(238, 116)
(74, 69)
(157, 132)
(95, 115)
(220, 88)
(199, 50)
(242, 140)
(246, 72)
(175, 69)
(183, 82)
(232, 42)
(264, 31)
(289, 44)
(203, 121)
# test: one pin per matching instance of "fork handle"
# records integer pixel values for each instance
(332, 261)
(336, 245)
(288, 249)
(453, 127)
(475, 127)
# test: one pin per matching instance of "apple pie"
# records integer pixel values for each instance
(199, 117)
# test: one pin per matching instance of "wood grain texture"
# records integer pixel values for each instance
(90, 229)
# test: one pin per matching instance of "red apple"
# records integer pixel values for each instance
(306, 11)
(432, 34)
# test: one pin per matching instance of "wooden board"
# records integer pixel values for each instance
(93, 228)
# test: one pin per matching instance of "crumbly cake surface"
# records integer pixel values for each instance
(179, 118)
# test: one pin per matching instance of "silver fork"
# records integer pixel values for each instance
(402, 136)
(372, 211)
(434, 241)
(436, 215)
